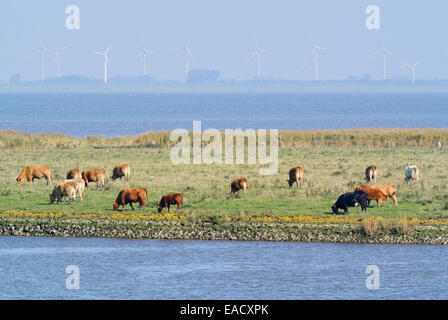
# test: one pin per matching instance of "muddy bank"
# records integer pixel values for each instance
(240, 231)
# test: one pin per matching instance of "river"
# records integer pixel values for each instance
(35, 268)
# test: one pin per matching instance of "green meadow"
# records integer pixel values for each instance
(330, 170)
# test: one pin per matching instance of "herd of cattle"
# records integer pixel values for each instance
(77, 181)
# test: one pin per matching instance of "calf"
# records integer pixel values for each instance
(65, 189)
(120, 171)
(30, 173)
(239, 184)
(74, 174)
(351, 199)
(411, 174)
(170, 199)
(129, 196)
(371, 174)
(93, 175)
(296, 175)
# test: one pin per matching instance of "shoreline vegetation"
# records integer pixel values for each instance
(334, 162)
(17, 140)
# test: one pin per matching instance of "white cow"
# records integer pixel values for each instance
(411, 174)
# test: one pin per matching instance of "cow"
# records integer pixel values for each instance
(93, 175)
(351, 199)
(296, 175)
(120, 171)
(387, 190)
(64, 189)
(411, 174)
(30, 173)
(239, 184)
(170, 199)
(79, 186)
(74, 174)
(129, 196)
(371, 174)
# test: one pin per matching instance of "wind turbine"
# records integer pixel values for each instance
(57, 52)
(412, 67)
(315, 51)
(42, 51)
(106, 61)
(258, 53)
(144, 52)
(386, 52)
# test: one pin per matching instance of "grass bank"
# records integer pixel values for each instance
(333, 165)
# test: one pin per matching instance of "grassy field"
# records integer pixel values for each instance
(329, 172)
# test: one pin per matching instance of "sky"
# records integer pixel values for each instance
(223, 34)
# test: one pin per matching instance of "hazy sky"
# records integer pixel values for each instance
(223, 35)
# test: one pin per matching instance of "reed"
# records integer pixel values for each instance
(17, 140)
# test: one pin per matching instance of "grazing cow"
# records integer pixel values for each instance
(79, 186)
(64, 189)
(129, 196)
(74, 174)
(170, 199)
(380, 193)
(34, 172)
(296, 175)
(371, 174)
(120, 171)
(351, 199)
(239, 184)
(93, 175)
(411, 174)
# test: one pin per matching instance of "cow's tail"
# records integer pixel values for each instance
(147, 197)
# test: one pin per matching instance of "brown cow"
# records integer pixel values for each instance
(120, 171)
(296, 175)
(64, 189)
(239, 184)
(74, 174)
(371, 174)
(93, 175)
(387, 189)
(169, 199)
(30, 173)
(128, 196)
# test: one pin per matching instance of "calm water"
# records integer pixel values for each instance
(150, 269)
(129, 114)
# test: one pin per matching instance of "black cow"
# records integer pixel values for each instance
(351, 199)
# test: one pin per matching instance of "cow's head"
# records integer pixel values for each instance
(115, 206)
(19, 180)
(52, 198)
(159, 208)
(290, 182)
(334, 208)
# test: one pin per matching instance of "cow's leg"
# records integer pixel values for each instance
(345, 207)
(394, 197)
(132, 206)
(168, 207)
